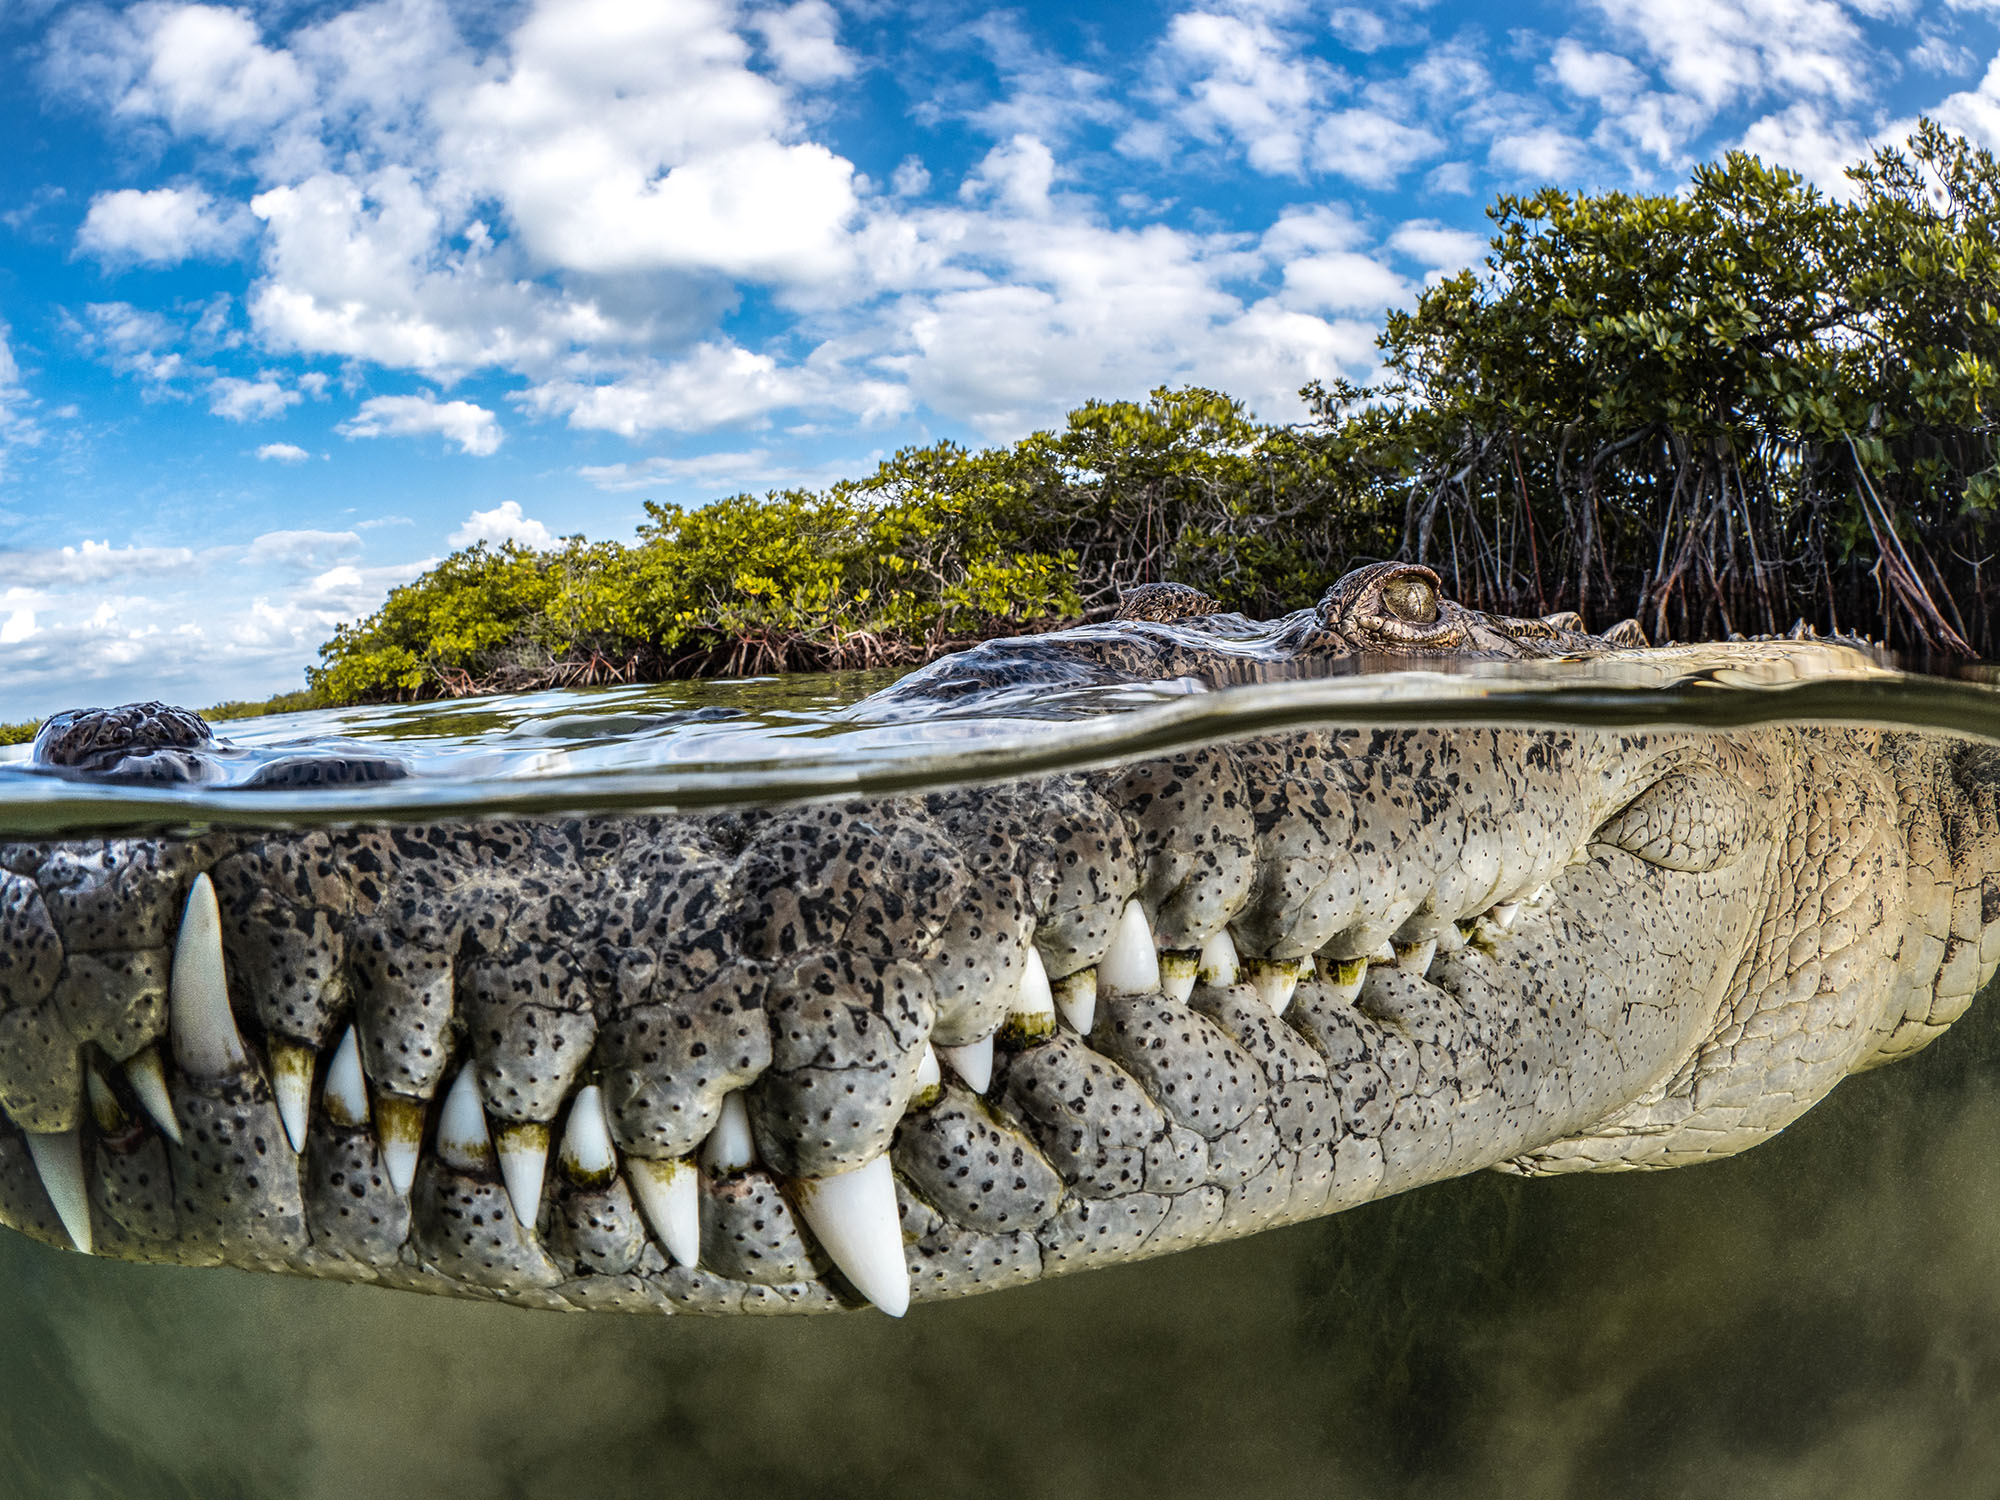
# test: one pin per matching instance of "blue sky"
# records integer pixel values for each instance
(296, 298)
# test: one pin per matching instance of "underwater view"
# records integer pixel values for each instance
(1817, 1316)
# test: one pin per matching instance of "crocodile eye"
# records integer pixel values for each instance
(1411, 597)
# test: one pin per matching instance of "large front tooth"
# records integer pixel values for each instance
(730, 1146)
(1218, 964)
(523, 1148)
(58, 1158)
(1504, 913)
(399, 1130)
(930, 1079)
(1415, 958)
(588, 1157)
(462, 1142)
(973, 1062)
(1033, 1012)
(346, 1092)
(854, 1217)
(291, 1082)
(1178, 972)
(148, 1077)
(670, 1198)
(1132, 966)
(1344, 977)
(206, 1042)
(1275, 979)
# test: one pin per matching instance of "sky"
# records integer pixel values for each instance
(297, 298)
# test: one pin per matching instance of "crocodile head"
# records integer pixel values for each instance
(802, 1057)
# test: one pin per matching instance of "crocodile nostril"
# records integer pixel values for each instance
(1412, 597)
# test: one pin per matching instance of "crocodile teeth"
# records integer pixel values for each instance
(1178, 972)
(1033, 1013)
(930, 1079)
(523, 1148)
(854, 1217)
(730, 1147)
(346, 1094)
(104, 1106)
(291, 1082)
(669, 1196)
(58, 1159)
(973, 1062)
(1075, 997)
(1276, 979)
(399, 1127)
(148, 1077)
(1415, 958)
(1218, 964)
(1505, 913)
(1132, 967)
(1344, 977)
(206, 1042)
(462, 1141)
(588, 1157)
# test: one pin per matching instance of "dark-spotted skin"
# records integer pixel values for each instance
(1642, 949)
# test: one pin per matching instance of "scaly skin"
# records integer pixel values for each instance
(1294, 973)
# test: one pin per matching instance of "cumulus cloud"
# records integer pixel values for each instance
(161, 227)
(90, 562)
(1248, 83)
(240, 400)
(307, 550)
(804, 42)
(504, 523)
(1719, 51)
(282, 453)
(713, 386)
(475, 429)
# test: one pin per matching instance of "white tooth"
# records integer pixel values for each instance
(1455, 936)
(1218, 964)
(59, 1159)
(587, 1153)
(1074, 996)
(930, 1079)
(346, 1093)
(1276, 980)
(1178, 972)
(148, 1077)
(291, 1082)
(399, 1128)
(973, 1062)
(1033, 1012)
(854, 1217)
(462, 1140)
(1132, 966)
(669, 1197)
(1415, 958)
(523, 1148)
(104, 1106)
(1385, 953)
(730, 1146)
(1505, 913)
(206, 1042)
(1344, 977)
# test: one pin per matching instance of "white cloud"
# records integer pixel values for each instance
(1545, 153)
(504, 523)
(301, 549)
(1358, 29)
(1247, 83)
(1432, 244)
(1369, 146)
(161, 227)
(282, 453)
(239, 400)
(475, 429)
(1721, 51)
(90, 562)
(1018, 173)
(1605, 77)
(1804, 138)
(1975, 112)
(713, 386)
(804, 42)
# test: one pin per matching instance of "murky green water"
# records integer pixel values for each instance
(1819, 1317)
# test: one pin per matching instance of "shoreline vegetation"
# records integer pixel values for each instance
(1718, 411)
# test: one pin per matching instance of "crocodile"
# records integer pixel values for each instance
(857, 1051)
